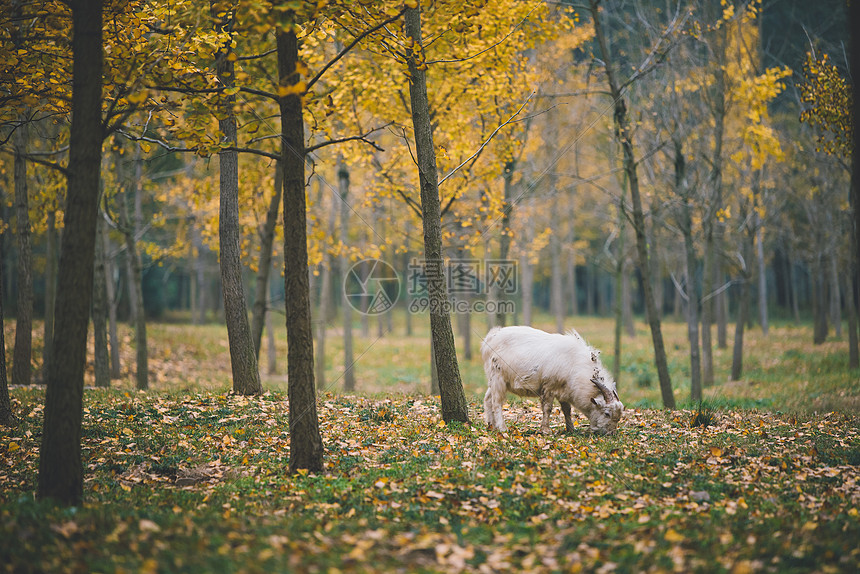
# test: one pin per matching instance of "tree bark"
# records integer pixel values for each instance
(819, 302)
(50, 286)
(326, 302)
(264, 264)
(243, 351)
(851, 312)
(348, 360)
(130, 228)
(743, 311)
(60, 465)
(505, 237)
(102, 356)
(835, 296)
(7, 417)
(762, 279)
(112, 304)
(623, 135)
(714, 204)
(854, 67)
(21, 360)
(306, 448)
(454, 407)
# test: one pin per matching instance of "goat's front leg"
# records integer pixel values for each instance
(546, 400)
(568, 422)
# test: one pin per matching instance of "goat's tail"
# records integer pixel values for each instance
(487, 344)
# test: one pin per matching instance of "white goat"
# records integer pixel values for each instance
(532, 363)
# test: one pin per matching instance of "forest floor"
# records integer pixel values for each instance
(189, 478)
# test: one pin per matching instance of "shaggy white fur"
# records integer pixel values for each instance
(532, 363)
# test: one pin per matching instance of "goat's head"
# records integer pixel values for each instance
(607, 408)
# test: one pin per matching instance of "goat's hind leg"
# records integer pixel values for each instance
(493, 401)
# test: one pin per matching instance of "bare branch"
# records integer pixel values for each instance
(492, 135)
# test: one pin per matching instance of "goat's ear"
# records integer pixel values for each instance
(594, 400)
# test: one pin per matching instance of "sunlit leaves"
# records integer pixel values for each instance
(829, 103)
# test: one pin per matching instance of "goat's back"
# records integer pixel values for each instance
(525, 348)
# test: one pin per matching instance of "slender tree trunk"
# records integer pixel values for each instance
(454, 407)
(556, 293)
(685, 223)
(527, 287)
(131, 227)
(744, 305)
(505, 237)
(271, 350)
(21, 360)
(819, 302)
(112, 303)
(851, 312)
(60, 467)
(722, 312)
(50, 287)
(243, 350)
(623, 135)
(854, 67)
(348, 360)
(325, 296)
(792, 275)
(264, 266)
(7, 417)
(306, 448)
(762, 280)
(692, 307)
(100, 303)
(712, 234)
(835, 296)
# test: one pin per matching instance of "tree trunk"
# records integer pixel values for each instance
(112, 304)
(130, 228)
(348, 361)
(325, 296)
(556, 294)
(7, 417)
(527, 287)
(747, 246)
(306, 448)
(762, 280)
(454, 407)
(819, 303)
(851, 312)
(60, 465)
(743, 312)
(721, 311)
(505, 237)
(712, 235)
(692, 306)
(100, 303)
(271, 349)
(50, 287)
(264, 265)
(792, 277)
(623, 135)
(835, 296)
(243, 351)
(854, 68)
(21, 360)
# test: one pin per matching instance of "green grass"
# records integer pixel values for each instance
(188, 478)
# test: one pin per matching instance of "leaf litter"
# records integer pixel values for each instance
(200, 481)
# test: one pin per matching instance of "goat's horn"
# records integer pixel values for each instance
(604, 390)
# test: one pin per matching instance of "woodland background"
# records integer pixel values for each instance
(686, 163)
